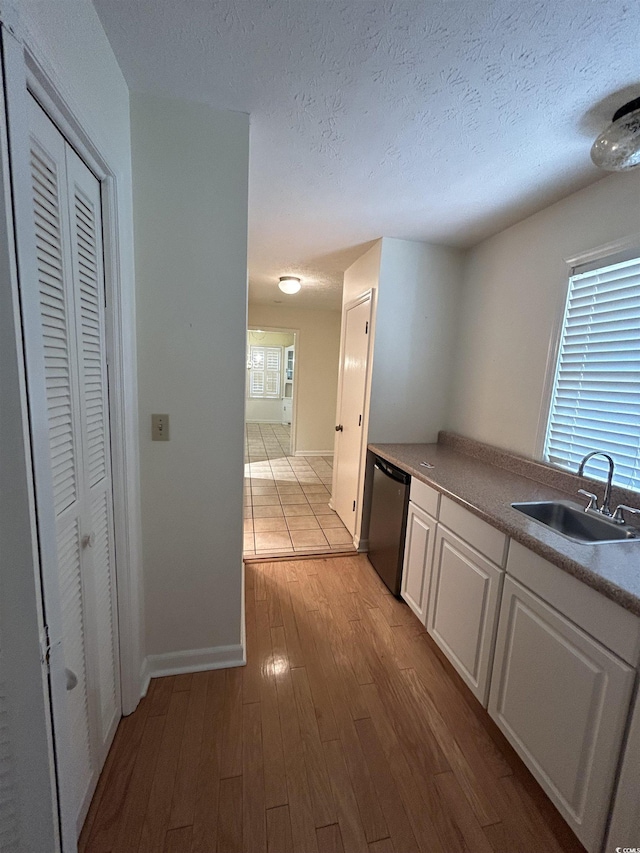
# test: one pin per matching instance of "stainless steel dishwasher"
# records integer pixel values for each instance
(388, 521)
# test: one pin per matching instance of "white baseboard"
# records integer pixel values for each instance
(145, 678)
(313, 453)
(196, 660)
(262, 421)
(192, 660)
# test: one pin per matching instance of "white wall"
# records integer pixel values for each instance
(418, 296)
(316, 371)
(362, 275)
(513, 293)
(190, 166)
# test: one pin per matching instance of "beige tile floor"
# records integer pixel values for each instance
(286, 498)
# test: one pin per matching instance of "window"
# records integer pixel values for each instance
(595, 402)
(265, 366)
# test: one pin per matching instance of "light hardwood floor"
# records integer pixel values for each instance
(345, 732)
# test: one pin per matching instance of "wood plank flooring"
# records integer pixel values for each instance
(345, 733)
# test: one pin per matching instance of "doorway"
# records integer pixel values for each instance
(286, 495)
(271, 385)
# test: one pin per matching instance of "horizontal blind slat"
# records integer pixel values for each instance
(596, 394)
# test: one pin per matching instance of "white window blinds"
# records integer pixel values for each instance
(265, 371)
(595, 403)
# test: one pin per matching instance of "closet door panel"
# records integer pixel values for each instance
(71, 602)
(102, 556)
(57, 323)
(88, 274)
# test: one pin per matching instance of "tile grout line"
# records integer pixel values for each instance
(297, 479)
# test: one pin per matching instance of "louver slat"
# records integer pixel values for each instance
(55, 328)
(596, 394)
(86, 250)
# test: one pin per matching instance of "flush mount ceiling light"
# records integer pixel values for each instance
(289, 284)
(618, 147)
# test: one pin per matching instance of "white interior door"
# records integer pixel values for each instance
(350, 426)
(68, 242)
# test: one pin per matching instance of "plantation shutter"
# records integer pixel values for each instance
(266, 371)
(595, 402)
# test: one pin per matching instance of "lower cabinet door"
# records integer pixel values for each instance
(418, 554)
(561, 699)
(624, 828)
(463, 609)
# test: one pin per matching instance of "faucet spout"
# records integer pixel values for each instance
(606, 502)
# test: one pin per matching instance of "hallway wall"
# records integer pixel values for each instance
(190, 205)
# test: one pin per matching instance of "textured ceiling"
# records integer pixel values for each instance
(441, 121)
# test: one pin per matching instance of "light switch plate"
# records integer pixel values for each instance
(159, 427)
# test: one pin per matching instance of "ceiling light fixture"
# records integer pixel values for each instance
(618, 147)
(289, 284)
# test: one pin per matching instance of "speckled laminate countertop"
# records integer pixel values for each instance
(488, 491)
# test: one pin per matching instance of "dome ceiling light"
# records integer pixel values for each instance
(289, 284)
(617, 149)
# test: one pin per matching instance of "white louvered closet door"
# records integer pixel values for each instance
(66, 206)
(88, 280)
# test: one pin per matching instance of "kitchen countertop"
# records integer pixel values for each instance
(488, 491)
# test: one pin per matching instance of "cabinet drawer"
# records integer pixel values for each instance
(489, 541)
(561, 699)
(616, 628)
(425, 497)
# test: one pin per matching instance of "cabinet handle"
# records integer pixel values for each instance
(339, 428)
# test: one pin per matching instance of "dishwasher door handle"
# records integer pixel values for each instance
(398, 476)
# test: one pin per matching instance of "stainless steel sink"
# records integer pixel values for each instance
(573, 521)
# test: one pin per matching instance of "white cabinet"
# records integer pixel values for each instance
(418, 555)
(464, 597)
(287, 385)
(418, 550)
(561, 698)
(287, 410)
(463, 607)
(624, 829)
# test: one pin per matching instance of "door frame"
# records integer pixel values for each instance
(26, 71)
(251, 327)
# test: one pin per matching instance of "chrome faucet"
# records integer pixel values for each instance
(605, 509)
